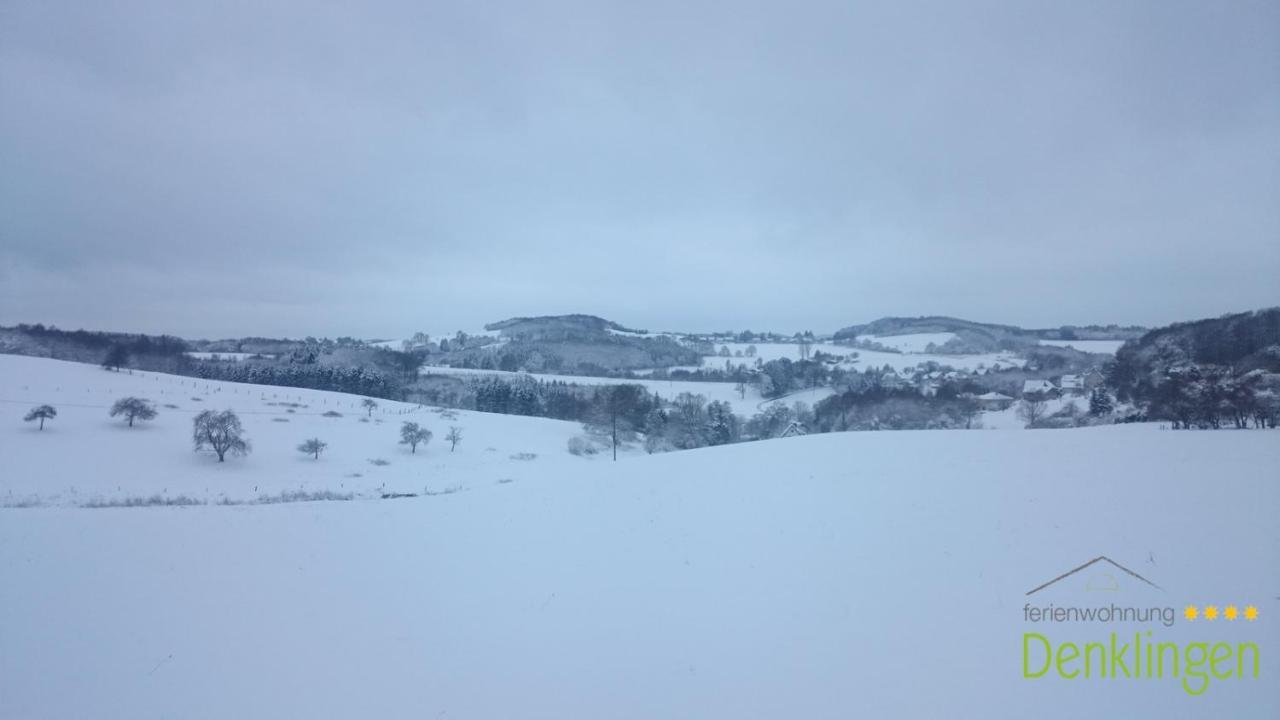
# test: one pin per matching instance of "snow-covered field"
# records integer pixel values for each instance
(721, 391)
(769, 351)
(1106, 347)
(48, 466)
(910, 342)
(829, 576)
(872, 358)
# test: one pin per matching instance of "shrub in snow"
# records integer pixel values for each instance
(41, 413)
(221, 432)
(333, 413)
(133, 408)
(313, 447)
(579, 445)
(154, 500)
(524, 456)
(379, 462)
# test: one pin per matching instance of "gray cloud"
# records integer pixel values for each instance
(372, 170)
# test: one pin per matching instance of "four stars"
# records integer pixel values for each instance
(1211, 612)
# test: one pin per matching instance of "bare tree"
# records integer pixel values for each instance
(117, 355)
(133, 408)
(313, 447)
(221, 432)
(369, 404)
(454, 437)
(412, 434)
(805, 344)
(1033, 411)
(742, 390)
(41, 413)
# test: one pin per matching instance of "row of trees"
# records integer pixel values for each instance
(1214, 373)
(354, 380)
(222, 433)
(129, 408)
(1210, 397)
(411, 434)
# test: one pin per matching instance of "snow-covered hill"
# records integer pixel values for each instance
(833, 576)
(48, 466)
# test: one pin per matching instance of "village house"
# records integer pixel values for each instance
(994, 401)
(1071, 385)
(1038, 390)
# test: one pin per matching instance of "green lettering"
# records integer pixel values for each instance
(1026, 637)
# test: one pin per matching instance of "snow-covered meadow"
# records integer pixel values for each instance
(859, 574)
(911, 354)
(876, 574)
(156, 457)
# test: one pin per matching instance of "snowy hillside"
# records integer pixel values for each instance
(1106, 347)
(858, 574)
(48, 466)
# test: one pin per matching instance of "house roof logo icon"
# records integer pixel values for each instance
(1100, 559)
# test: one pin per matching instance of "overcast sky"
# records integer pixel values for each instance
(372, 169)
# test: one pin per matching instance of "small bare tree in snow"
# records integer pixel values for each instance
(220, 432)
(133, 408)
(413, 434)
(313, 447)
(742, 390)
(369, 405)
(1033, 411)
(41, 413)
(454, 437)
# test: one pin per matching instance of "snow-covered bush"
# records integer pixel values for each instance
(580, 446)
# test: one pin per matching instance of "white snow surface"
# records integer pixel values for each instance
(1105, 347)
(910, 342)
(48, 466)
(875, 574)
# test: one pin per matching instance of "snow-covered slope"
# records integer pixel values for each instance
(1106, 347)
(832, 576)
(156, 457)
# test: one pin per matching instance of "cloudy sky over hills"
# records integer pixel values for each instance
(372, 169)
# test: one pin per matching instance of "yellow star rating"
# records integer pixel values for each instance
(1211, 612)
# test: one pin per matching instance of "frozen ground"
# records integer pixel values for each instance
(834, 576)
